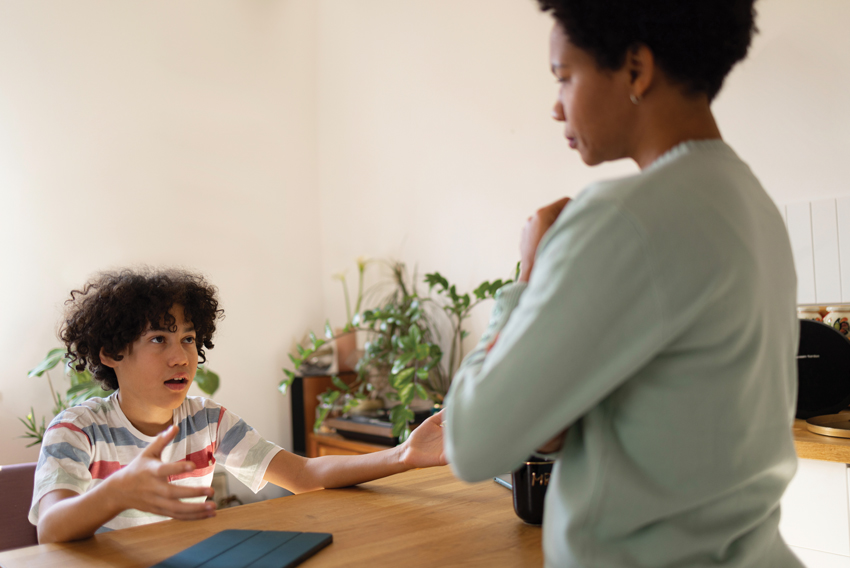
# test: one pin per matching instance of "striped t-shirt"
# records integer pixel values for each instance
(87, 443)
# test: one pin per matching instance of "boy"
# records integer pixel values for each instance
(147, 452)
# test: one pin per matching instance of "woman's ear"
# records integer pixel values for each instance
(107, 360)
(640, 63)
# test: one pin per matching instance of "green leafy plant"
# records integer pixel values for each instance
(83, 387)
(403, 357)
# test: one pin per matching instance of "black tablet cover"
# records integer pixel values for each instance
(823, 370)
(250, 549)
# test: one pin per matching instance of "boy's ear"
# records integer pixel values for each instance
(107, 360)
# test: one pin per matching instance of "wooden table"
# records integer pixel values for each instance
(420, 518)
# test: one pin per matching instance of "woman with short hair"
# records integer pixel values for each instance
(650, 341)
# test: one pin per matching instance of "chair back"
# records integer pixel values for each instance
(16, 486)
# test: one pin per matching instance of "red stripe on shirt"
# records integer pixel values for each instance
(103, 469)
(204, 464)
(72, 427)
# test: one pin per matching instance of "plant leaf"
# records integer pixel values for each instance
(329, 333)
(53, 357)
(421, 392)
(406, 394)
(338, 383)
(207, 380)
(404, 377)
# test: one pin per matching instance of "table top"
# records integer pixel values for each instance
(420, 518)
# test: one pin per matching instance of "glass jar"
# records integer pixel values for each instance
(809, 313)
(839, 318)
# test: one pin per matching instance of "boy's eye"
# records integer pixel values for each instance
(158, 339)
(189, 339)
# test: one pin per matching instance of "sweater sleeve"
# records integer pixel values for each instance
(589, 318)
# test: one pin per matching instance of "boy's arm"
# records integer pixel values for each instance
(424, 448)
(65, 515)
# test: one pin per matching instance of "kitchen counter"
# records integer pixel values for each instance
(816, 447)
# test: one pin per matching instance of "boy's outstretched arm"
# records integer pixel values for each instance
(424, 448)
(65, 515)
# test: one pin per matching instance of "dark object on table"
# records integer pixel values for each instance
(530, 482)
(250, 549)
(823, 370)
(374, 427)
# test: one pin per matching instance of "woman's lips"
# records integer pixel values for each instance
(573, 142)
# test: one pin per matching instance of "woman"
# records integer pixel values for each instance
(651, 337)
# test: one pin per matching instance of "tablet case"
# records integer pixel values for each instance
(250, 549)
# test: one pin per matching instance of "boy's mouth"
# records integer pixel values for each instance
(177, 383)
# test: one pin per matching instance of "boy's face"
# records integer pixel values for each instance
(157, 369)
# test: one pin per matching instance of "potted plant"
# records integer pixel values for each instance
(403, 354)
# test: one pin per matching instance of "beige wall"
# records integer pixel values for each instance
(162, 133)
(268, 144)
(436, 143)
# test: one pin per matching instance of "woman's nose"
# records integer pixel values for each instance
(558, 112)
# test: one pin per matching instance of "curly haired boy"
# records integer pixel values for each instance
(147, 452)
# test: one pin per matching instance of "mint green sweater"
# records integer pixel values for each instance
(659, 326)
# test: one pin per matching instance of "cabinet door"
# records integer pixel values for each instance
(817, 559)
(814, 508)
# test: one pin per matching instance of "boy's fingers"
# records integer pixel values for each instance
(179, 509)
(178, 492)
(169, 469)
(154, 450)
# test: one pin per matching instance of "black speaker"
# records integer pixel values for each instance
(823, 370)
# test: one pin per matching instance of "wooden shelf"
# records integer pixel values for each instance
(336, 445)
(816, 447)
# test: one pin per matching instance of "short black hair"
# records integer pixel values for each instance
(695, 42)
(114, 308)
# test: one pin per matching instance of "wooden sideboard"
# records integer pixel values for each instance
(336, 445)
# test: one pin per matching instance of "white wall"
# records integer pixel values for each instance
(166, 133)
(436, 142)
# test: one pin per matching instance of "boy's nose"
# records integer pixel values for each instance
(177, 356)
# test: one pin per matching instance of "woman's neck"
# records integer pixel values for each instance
(668, 119)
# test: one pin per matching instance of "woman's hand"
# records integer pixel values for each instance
(424, 448)
(533, 232)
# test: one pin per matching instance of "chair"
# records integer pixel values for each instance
(16, 486)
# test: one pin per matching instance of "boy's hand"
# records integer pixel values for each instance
(533, 232)
(144, 485)
(424, 448)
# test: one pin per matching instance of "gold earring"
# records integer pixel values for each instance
(635, 99)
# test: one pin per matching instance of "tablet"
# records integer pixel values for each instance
(250, 549)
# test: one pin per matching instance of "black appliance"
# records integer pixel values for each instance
(823, 367)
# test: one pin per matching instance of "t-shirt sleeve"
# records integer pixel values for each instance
(63, 463)
(242, 451)
(589, 318)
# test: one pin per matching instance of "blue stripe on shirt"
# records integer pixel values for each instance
(63, 450)
(233, 437)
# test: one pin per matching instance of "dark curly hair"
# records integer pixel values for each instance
(695, 42)
(113, 310)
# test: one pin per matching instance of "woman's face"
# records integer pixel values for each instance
(592, 103)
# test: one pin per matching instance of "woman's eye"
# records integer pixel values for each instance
(158, 339)
(189, 340)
